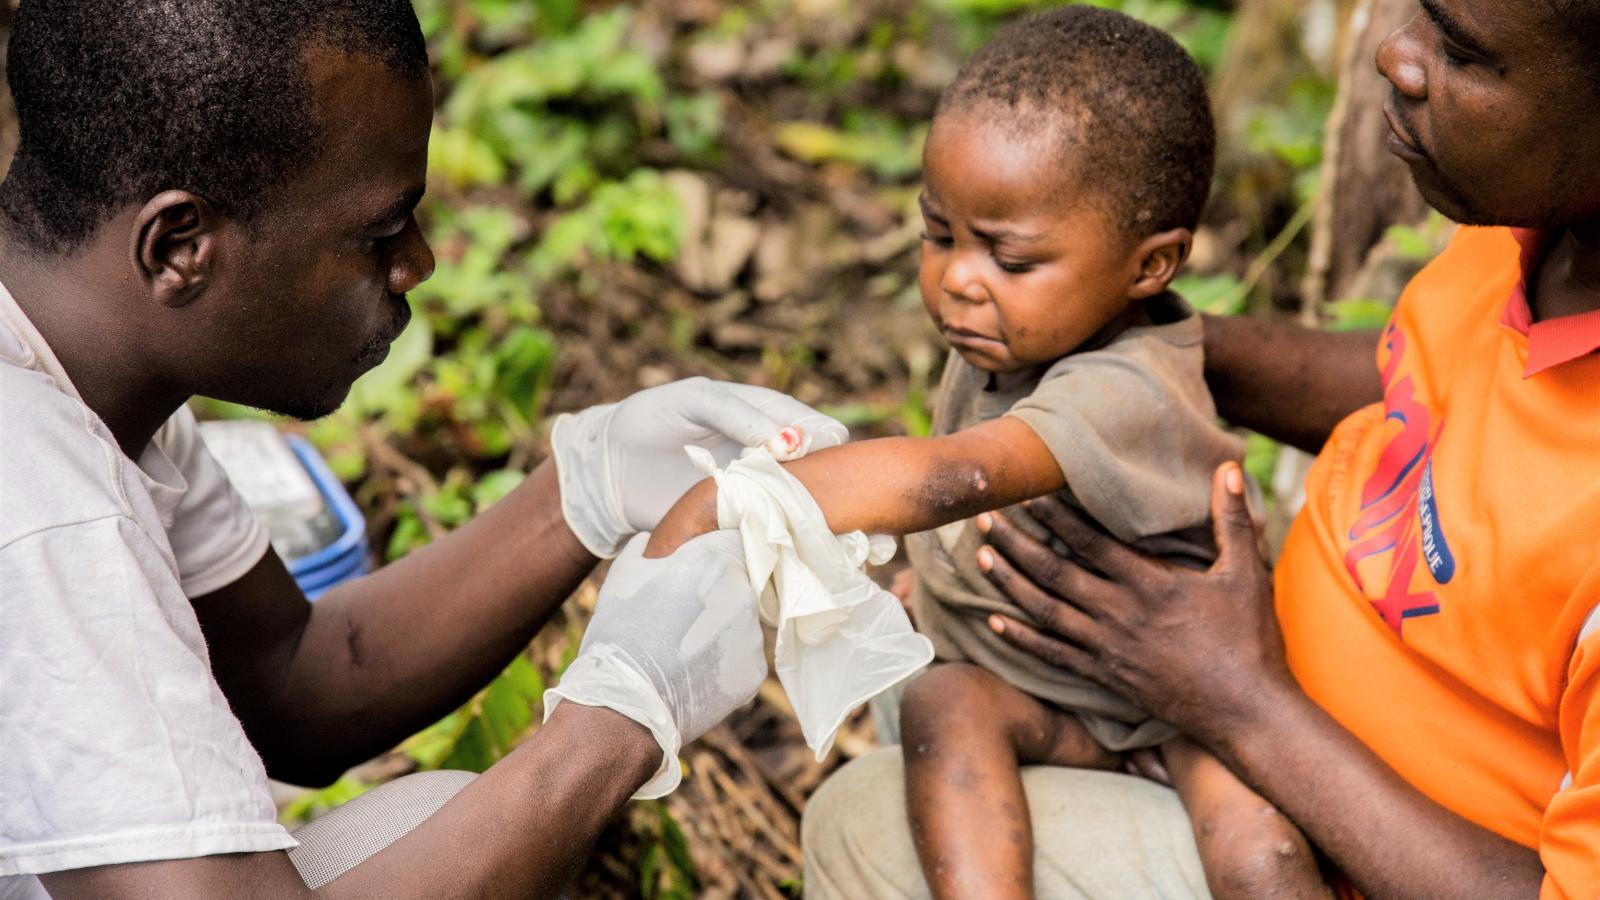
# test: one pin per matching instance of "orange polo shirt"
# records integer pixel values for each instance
(1438, 593)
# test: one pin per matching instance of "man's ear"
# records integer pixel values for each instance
(1159, 257)
(176, 246)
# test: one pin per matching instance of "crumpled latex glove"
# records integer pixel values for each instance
(675, 645)
(621, 465)
(842, 639)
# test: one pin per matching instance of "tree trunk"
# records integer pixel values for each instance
(1365, 188)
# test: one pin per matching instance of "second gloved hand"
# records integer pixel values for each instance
(675, 644)
(622, 465)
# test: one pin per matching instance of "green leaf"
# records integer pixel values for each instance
(487, 727)
(1358, 314)
(388, 386)
(493, 487)
(1219, 295)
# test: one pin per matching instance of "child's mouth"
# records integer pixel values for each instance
(971, 340)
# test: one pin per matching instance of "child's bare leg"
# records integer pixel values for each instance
(1248, 848)
(965, 733)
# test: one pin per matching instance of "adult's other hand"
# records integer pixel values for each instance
(622, 465)
(1199, 649)
(675, 644)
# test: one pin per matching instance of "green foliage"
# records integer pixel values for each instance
(666, 870)
(1261, 459)
(1220, 295)
(1202, 28)
(639, 216)
(311, 804)
(869, 140)
(489, 726)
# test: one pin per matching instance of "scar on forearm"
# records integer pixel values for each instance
(953, 489)
(352, 641)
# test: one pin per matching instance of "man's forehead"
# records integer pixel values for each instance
(361, 103)
(373, 125)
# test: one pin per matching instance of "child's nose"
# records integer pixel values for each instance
(961, 281)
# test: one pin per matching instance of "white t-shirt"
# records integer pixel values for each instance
(116, 744)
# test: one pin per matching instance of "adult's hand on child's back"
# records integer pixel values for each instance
(1200, 649)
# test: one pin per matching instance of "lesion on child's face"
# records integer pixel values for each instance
(1017, 268)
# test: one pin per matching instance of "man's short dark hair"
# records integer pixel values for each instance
(1126, 105)
(119, 100)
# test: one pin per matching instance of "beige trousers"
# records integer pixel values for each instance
(1097, 836)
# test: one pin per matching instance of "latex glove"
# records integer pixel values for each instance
(675, 645)
(622, 466)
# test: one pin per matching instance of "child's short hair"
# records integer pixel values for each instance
(1129, 103)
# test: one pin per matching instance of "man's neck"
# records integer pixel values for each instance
(1568, 280)
(78, 316)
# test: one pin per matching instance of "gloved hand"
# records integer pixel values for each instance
(622, 465)
(675, 645)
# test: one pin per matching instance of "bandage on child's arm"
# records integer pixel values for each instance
(897, 485)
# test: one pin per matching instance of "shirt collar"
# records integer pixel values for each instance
(1553, 341)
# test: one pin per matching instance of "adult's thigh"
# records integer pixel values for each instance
(1098, 836)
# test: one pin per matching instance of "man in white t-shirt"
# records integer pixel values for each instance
(216, 198)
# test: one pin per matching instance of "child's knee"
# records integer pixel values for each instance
(946, 697)
(1257, 852)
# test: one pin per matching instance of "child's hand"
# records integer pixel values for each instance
(901, 587)
(694, 514)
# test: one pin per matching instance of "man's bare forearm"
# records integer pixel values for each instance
(568, 781)
(1290, 383)
(520, 829)
(390, 653)
(1363, 815)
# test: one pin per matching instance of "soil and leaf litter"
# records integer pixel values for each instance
(621, 195)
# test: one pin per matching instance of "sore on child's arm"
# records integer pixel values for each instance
(897, 485)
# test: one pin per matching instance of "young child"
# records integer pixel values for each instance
(1065, 172)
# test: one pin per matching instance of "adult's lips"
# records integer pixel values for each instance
(1401, 142)
(376, 349)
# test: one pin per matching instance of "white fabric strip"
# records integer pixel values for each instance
(842, 639)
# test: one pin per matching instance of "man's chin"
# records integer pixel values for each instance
(306, 408)
(1450, 201)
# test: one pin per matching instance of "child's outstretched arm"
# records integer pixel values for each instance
(898, 485)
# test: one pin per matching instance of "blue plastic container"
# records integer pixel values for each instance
(346, 557)
(314, 525)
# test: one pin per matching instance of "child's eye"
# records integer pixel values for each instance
(1014, 268)
(938, 240)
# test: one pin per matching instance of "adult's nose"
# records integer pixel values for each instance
(1400, 60)
(412, 262)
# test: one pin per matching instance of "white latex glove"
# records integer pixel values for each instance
(622, 465)
(675, 645)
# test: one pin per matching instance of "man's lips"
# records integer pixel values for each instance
(1401, 143)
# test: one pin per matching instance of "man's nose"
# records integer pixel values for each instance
(1400, 60)
(412, 262)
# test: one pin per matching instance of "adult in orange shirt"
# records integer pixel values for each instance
(1423, 704)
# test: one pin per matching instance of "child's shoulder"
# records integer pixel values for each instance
(1162, 349)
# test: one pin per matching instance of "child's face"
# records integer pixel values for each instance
(1016, 271)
